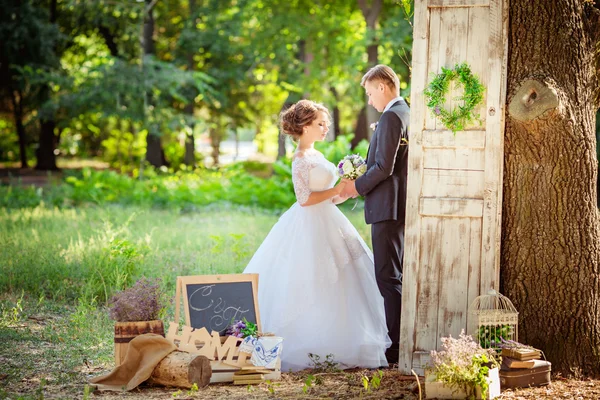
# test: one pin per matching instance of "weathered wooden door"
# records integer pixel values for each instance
(454, 202)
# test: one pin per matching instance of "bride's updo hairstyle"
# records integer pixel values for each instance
(299, 115)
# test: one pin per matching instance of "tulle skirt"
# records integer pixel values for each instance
(317, 290)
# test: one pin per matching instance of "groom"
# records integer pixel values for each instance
(384, 189)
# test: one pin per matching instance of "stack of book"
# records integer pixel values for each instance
(523, 367)
(250, 375)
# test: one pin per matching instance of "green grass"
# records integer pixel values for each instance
(58, 267)
(66, 254)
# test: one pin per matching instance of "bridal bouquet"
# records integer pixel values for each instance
(352, 166)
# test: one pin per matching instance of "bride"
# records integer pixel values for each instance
(317, 285)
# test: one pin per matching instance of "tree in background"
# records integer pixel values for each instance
(29, 39)
(256, 52)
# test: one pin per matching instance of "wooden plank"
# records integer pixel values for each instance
(445, 138)
(494, 158)
(433, 60)
(421, 360)
(455, 22)
(184, 281)
(478, 55)
(452, 183)
(415, 172)
(454, 276)
(428, 283)
(458, 3)
(451, 208)
(454, 158)
(475, 267)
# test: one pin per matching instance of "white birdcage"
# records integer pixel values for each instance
(497, 319)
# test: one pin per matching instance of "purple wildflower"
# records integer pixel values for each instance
(141, 302)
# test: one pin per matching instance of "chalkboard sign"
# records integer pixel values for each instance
(214, 301)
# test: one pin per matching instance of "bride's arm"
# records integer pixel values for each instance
(319, 197)
(338, 199)
(306, 197)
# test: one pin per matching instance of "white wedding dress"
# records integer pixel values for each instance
(317, 285)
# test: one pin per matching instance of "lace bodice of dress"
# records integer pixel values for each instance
(311, 172)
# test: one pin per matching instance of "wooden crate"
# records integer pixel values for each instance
(222, 351)
(440, 390)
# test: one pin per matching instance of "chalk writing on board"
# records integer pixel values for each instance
(219, 314)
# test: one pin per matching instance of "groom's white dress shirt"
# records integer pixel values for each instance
(392, 102)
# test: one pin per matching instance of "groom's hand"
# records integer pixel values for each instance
(349, 190)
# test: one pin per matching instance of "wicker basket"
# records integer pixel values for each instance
(497, 320)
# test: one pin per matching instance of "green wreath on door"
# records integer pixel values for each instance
(460, 116)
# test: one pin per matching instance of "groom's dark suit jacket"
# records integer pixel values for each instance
(384, 183)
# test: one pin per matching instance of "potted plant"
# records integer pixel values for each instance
(136, 311)
(462, 369)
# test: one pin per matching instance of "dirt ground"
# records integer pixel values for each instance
(341, 385)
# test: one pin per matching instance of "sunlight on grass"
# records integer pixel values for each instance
(59, 266)
(65, 254)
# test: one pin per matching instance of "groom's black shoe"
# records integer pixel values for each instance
(392, 354)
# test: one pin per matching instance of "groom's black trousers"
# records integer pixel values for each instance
(388, 250)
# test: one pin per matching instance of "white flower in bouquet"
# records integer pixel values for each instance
(352, 167)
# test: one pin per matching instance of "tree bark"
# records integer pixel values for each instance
(371, 11)
(46, 159)
(336, 113)
(598, 156)
(215, 141)
(551, 225)
(180, 369)
(189, 157)
(292, 98)
(154, 151)
(18, 115)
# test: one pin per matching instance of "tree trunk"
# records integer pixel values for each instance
(598, 155)
(189, 157)
(281, 139)
(18, 115)
(292, 98)
(46, 159)
(336, 113)
(551, 226)
(180, 369)
(372, 113)
(360, 132)
(154, 151)
(215, 141)
(371, 11)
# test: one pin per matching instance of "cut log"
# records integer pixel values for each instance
(180, 369)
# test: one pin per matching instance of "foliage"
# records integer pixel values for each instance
(374, 382)
(462, 364)
(436, 92)
(491, 336)
(327, 365)
(245, 183)
(66, 337)
(242, 328)
(141, 302)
